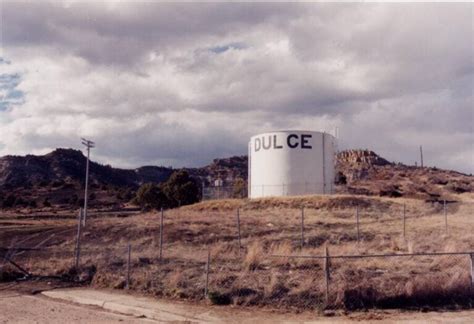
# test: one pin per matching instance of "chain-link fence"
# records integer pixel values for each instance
(309, 227)
(222, 192)
(285, 189)
(253, 277)
(177, 258)
(268, 190)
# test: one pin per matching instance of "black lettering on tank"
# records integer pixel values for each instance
(275, 146)
(305, 141)
(258, 144)
(288, 141)
(264, 146)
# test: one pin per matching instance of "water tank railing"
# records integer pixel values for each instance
(286, 189)
(268, 190)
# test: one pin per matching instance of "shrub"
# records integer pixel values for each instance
(80, 202)
(74, 199)
(150, 195)
(20, 202)
(217, 298)
(239, 189)
(57, 183)
(43, 183)
(46, 203)
(341, 179)
(9, 201)
(179, 190)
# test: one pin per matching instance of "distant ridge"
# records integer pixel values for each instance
(57, 178)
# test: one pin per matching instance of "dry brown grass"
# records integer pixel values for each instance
(254, 256)
(313, 201)
(270, 227)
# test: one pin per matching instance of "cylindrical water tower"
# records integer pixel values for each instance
(290, 163)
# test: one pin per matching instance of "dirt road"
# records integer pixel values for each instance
(21, 307)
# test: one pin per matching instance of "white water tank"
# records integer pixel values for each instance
(290, 163)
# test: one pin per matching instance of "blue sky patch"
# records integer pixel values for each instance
(9, 94)
(224, 48)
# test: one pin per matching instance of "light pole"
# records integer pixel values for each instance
(89, 145)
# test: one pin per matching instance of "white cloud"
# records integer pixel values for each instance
(184, 83)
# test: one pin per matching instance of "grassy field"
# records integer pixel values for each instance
(265, 272)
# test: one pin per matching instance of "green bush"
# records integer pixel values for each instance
(150, 195)
(217, 298)
(46, 203)
(180, 189)
(20, 202)
(9, 201)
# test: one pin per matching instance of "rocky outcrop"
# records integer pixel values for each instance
(358, 164)
(364, 172)
(227, 170)
(364, 158)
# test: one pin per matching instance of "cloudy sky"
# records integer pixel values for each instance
(181, 84)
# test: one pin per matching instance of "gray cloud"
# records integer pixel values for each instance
(183, 83)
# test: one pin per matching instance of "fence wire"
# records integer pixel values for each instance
(256, 278)
(183, 260)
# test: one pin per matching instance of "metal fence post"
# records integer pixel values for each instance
(302, 227)
(327, 272)
(238, 230)
(404, 220)
(472, 271)
(206, 288)
(129, 252)
(357, 219)
(445, 217)
(78, 238)
(161, 233)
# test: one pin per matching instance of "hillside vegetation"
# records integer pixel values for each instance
(56, 180)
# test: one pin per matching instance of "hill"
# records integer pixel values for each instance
(57, 179)
(364, 172)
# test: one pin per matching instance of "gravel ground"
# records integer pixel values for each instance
(19, 308)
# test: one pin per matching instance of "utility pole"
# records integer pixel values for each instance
(324, 165)
(421, 156)
(88, 144)
(78, 238)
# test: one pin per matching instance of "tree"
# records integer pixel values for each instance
(341, 179)
(46, 203)
(150, 195)
(181, 189)
(9, 201)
